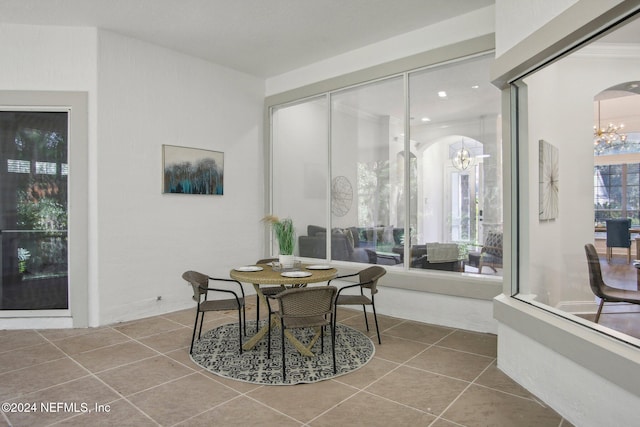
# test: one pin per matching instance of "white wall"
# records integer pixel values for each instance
(36, 58)
(454, 312)
(47, 58)
(149, 96)
(577, 393)
(464, 27)
(140, 97)
(515, 20)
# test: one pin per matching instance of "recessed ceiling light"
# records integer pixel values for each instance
(442, 94)
(475, 87)
(425, 119)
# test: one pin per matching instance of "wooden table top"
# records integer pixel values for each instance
(267, 276)
(602, 228)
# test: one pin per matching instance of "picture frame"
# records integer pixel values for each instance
(549, 180)
(192, 171)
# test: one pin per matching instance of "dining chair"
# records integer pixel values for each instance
(201, 291)
(619, 236)
(368, 279)
(309, 307)
(267, 291)
(600, 288)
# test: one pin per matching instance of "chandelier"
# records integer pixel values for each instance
(462, 159)
(607, 137)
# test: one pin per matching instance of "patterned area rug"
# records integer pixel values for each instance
(217, 351)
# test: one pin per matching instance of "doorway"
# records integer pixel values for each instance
(34, 210)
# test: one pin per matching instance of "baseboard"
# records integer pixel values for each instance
(578, 307)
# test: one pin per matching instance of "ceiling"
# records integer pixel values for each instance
(265, 38)
(259, 37)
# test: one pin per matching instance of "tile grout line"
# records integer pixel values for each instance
(90, 374)
(460, 395)
(364, 389)
(184, 376)
(238, 394)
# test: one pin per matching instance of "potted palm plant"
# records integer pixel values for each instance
(285, 234)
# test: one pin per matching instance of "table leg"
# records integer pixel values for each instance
(304, 350)
(263, 331)
(248, 345)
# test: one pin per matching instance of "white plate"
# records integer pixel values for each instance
(319, 267)
(295, 274)
(249, 268)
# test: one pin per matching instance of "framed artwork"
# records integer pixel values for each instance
(192, 171)
(549, 179)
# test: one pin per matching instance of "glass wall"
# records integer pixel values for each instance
(404, 171)
(367, 170)
(299, 159)
(564, 108)
(456, 141)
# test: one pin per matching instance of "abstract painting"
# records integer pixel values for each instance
(549, 179)
(192, 171)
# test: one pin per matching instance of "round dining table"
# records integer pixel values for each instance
(266, 274)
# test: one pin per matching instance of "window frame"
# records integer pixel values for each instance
(76, 103)
(463, 285)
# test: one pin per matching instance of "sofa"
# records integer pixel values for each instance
(421, 259)
(364, 244)
(356, 244)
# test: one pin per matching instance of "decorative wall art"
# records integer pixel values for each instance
(549, 178)
(192, 171)
(341, 196)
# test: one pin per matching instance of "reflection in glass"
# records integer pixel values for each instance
(367, 148)
(456, 143)
(388, 196)
(33, 220)
(599, 178)
(299, 173)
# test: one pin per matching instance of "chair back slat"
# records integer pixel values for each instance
(369, 276)
(595, 272)
(493, 243)
(618, 233)
(307, 302)
(198, 281)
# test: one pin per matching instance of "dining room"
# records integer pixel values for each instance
(139, 95)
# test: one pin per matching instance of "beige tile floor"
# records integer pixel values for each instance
(139, 374)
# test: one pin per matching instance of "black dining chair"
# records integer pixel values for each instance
(309, 307)
(368, 280)
(201, 290)
(619, 236)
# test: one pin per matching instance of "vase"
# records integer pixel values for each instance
(286, 261)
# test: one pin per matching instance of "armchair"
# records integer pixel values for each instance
(491, 253)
